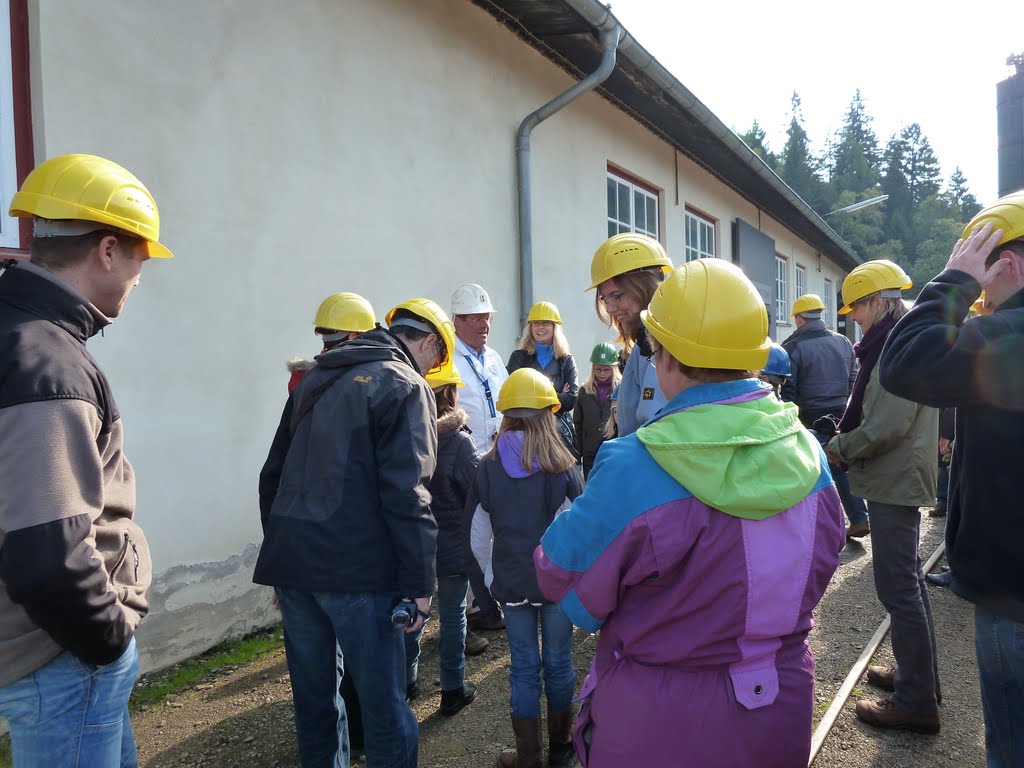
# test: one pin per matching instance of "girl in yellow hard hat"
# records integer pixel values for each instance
(527, 479)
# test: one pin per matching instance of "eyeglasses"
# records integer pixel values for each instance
(612, 298)
(476, 319)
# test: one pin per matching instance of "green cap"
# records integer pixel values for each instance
(604, 354)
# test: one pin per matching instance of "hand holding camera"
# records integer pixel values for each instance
(410, 615)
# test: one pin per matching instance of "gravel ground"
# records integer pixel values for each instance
(243, 716)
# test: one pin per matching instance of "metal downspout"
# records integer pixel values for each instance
(609, 43)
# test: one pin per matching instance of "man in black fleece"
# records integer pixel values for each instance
(935, 358)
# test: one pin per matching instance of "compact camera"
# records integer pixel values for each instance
(404, 614)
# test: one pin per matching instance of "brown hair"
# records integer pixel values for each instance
(447, 399)
(640, 284)
(541, 442)
(65, 252)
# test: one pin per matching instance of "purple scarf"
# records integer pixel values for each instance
(602, 389)
(868, 350)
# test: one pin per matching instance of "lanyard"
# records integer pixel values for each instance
(487, 386)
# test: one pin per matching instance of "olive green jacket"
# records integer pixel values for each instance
(892, 454)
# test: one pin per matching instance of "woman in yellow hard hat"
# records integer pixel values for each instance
(682, 550)
(626, 271)
(544, 348)
(527, 479)
(889, 443)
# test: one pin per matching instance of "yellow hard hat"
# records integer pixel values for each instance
(345, 312)
(544, 311)
(527, 388)
(1006, 213)
(447, 374)
(93, 189)
(809, 302)
(708, 314)
(872, 277)
(434, 315)
(627, 252)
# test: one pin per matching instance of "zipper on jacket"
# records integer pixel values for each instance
(120, 557)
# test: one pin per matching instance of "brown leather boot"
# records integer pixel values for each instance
(528, 749)
(885, 678)
(561, 753)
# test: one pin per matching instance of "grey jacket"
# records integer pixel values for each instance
(824, 369)
(891, 455)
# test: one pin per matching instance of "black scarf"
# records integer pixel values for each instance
(868, 350)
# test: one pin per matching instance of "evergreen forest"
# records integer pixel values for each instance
(924, 213)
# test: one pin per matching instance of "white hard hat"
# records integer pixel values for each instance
(470, 299)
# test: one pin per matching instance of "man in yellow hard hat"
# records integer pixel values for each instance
(682, 549)
(935, 357)
(349, 541)
(340, 317)
(75, 568)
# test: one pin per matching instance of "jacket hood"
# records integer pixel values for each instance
(510, 450)
(452, 422)
(736, 448)
(373, 346)
(300, 364)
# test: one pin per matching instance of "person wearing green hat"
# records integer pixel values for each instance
(594, 403)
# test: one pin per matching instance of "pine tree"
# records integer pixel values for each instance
(755, 139)
(920, 164)
(959, 196)
(798, 167)
(899, 208)
(856, 154)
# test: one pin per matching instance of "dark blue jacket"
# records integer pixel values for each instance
(823, 371)
(450, 486)
(343, 493)
(934, 357)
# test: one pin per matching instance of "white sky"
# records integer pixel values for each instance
(936, 64)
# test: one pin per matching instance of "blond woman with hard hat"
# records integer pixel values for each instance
(76, 568)
(889, 443)
(340, 317)
(527, 479)
(977, 367)
(625, 272)
(544, 348)
(681, 550)
(349, 539)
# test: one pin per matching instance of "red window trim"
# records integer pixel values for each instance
(24, 157)
(625, 176)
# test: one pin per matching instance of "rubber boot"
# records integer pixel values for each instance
(561, 753)
(528, 749)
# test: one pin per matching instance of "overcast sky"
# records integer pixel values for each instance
(936, 64)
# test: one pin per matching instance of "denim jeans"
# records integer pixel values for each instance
(855, 510)
(942, 487)
(554, 656)
(69, 713)
(316, 626)
(999, 644)
(900, 584)
(451, 644)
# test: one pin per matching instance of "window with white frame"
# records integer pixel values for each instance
(9, 227)
(781, 289)
(700, 236)
(830, 304)
(631, 207)
(800, 280)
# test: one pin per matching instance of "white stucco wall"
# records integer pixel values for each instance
(298, 149)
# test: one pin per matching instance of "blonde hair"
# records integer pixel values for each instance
(541, 442)
(612, 424)
(559, 344)
(641, 284)
(588, 385)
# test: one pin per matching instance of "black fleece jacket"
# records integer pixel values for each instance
(935, 357)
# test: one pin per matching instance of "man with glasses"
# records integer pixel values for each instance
(482, 371)
(348, 531)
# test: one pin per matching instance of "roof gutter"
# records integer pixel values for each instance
(610, 36)
(593, 12)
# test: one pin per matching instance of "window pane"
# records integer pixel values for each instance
(624, 206)
(613, 228)
(652, 216)
(613, 209)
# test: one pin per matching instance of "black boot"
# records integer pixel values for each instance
(561, 753)
(453, 701)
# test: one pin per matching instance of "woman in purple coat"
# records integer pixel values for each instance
(699, 549)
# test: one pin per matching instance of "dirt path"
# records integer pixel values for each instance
(243, 716)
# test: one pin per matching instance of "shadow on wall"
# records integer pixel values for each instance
(195, 607)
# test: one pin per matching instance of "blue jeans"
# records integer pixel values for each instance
(554, 656)
(856, 511)
(70, 713)
(317, 625)
(942, 487)
(451, 645)
(999, 644)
